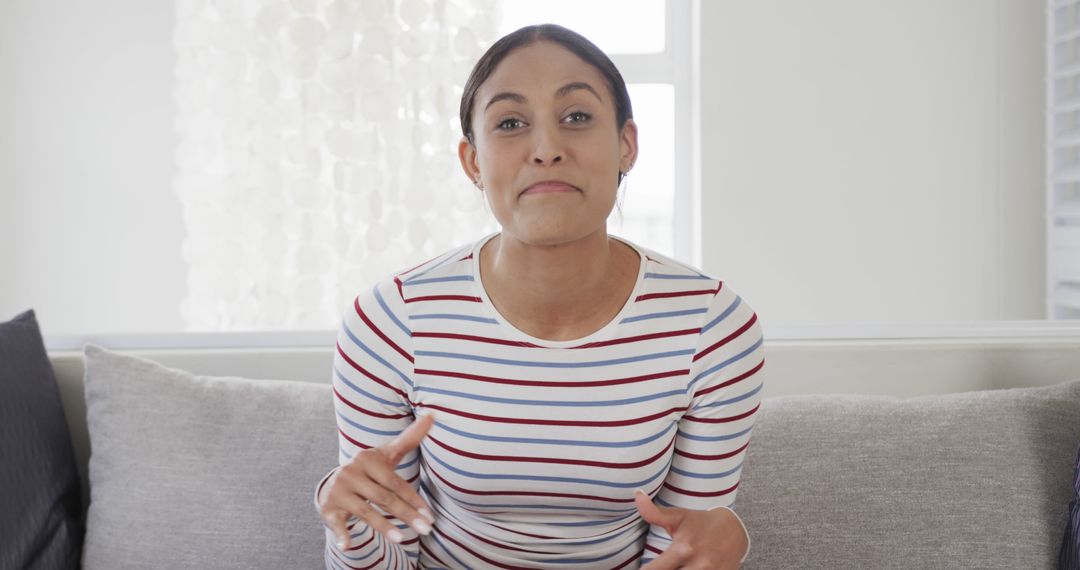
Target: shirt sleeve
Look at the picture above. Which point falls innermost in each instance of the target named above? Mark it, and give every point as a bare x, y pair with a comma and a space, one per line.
725, 383
372, 381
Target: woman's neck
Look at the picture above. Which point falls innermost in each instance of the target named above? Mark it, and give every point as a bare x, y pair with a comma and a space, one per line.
566, 290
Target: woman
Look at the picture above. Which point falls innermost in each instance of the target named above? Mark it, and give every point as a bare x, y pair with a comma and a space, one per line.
550, 396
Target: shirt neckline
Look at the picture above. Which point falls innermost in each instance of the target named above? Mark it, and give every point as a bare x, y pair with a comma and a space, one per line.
603, 333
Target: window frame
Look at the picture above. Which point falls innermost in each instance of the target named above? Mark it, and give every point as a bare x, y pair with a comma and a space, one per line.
676, 66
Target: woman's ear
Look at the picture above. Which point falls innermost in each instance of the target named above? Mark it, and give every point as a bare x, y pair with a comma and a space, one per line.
469, 162
628, 146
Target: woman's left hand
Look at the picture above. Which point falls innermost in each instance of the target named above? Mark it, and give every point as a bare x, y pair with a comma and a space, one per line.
699, 539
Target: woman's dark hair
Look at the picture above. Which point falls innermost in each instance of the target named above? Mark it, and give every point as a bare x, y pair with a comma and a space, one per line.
571, 40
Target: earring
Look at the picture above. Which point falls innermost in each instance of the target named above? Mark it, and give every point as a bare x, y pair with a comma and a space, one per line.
479, 184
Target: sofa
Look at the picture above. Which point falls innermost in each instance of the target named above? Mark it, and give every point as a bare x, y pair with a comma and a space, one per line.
208, 458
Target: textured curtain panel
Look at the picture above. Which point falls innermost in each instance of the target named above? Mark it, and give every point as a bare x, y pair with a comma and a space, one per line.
316, 150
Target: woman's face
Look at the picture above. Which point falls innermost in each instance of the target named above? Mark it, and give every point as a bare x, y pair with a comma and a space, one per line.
546, 148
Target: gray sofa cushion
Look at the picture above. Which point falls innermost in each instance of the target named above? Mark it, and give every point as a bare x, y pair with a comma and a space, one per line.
40, 499
203, 472
970, 480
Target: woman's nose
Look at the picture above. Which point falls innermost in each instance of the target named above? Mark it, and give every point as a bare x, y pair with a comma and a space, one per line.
548, 149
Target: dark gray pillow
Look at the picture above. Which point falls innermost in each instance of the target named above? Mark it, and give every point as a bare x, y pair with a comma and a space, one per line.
1069, 557
40, 517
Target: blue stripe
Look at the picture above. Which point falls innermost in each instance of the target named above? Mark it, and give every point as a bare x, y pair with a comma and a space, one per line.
544, 364
377, 358
447, 551
742, 354
588, 560
356, 538
453, 317
366, 393
389, 313
367, 429
494, 476
662, 315
653, 534
731, 401
706, 475
530, 440
559, 403
673, 276
727, 311
716, 437
626, 512
449, 257
399, 467
415, 281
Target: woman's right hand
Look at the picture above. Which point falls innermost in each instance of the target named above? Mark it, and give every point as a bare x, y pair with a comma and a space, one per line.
369, 479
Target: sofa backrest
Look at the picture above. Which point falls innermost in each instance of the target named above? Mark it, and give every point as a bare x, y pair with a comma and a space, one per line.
902, 369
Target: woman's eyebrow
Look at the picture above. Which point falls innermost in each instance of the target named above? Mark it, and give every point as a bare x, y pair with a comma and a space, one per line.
561, 92
505, 95
570, 87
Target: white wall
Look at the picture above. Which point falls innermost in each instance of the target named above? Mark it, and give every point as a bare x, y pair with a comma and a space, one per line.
875, 161
918, 122
90, 232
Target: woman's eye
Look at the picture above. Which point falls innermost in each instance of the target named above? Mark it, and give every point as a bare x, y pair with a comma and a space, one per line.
578, 117
509, 124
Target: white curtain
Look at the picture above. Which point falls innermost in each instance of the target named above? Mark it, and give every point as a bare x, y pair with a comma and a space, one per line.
316, 150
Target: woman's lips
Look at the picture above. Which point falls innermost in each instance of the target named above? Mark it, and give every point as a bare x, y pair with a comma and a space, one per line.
550, 186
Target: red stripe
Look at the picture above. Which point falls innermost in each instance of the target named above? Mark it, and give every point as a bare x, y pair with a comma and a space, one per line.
556, 460
723, 420
492, 542
728, 338
400, 290
375, 564
518, 532
411, 269
701, 494
397, 278
366, 542
481, 557
431, 553
475, 338
555, 384
444, 298
372, 565
528, 493
378, 332
366, 373
671, 294
353, 441
711, 457
632, 521
653, 549
639, 338
370, 413
742, 376
543, 422
634, 557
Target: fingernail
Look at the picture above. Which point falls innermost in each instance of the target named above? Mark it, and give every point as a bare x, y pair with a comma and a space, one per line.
395, 536
426, 514
343, 544
421, 526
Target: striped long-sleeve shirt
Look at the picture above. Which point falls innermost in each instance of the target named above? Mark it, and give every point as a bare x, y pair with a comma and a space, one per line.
539, 445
